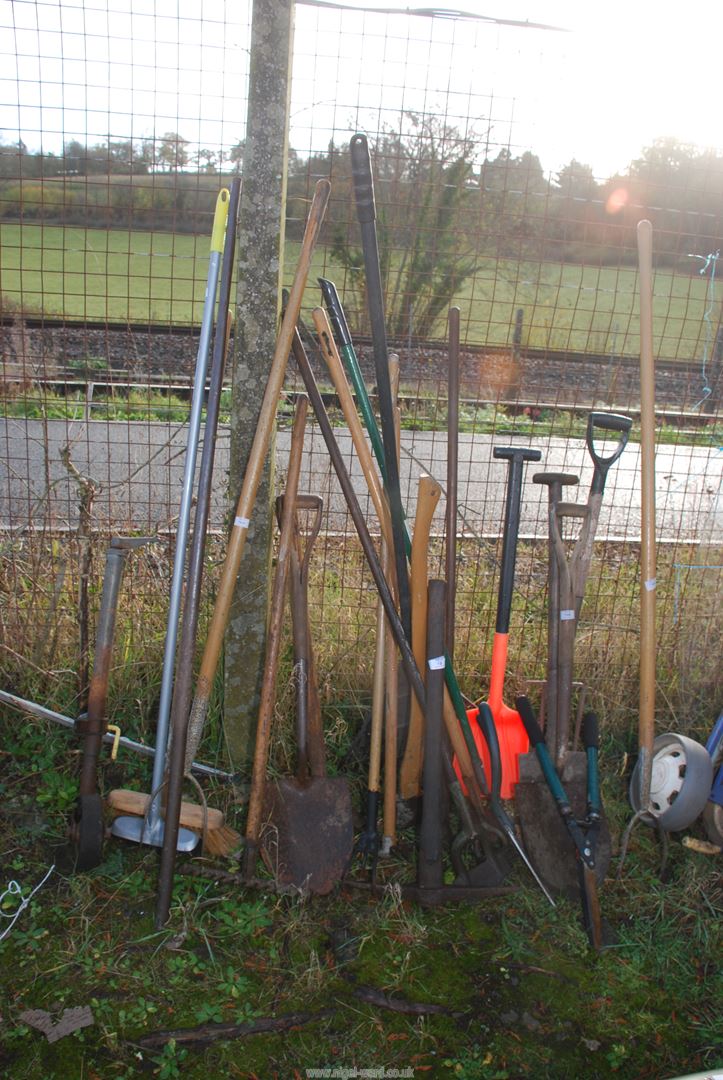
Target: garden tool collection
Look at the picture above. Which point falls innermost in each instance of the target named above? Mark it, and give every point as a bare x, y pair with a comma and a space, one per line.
567, 577
458, 765
195, 719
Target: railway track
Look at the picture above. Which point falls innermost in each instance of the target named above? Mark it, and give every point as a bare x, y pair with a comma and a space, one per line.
88, 360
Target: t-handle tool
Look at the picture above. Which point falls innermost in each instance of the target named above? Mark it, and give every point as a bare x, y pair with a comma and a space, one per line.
554, 482
511, 733
87, 830
584, 834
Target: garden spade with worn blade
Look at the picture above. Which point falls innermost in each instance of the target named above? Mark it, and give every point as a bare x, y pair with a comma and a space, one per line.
309, 831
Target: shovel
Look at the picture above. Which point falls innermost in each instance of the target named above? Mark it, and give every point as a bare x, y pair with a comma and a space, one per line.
309, 832
510, 732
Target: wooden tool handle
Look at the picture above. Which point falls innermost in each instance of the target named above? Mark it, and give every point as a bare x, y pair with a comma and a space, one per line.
646, 724
336, 371
273, 643
257, 455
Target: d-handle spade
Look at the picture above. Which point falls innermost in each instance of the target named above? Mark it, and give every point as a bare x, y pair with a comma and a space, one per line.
598, 422
554, 482
605, 422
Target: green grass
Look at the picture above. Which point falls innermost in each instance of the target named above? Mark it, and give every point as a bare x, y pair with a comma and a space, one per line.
522, 995
120, 276
425, 413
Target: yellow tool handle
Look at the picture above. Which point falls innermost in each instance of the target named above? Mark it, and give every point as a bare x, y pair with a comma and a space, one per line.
220, 217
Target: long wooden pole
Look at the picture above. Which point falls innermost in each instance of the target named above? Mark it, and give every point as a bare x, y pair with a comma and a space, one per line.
646, 723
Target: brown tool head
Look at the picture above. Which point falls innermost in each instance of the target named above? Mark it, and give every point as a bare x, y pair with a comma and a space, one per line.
544, 835
308, 835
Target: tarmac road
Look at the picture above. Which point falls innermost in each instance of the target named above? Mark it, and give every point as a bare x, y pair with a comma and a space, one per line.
138, 468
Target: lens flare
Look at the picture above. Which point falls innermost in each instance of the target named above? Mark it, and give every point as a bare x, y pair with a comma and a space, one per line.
617, 200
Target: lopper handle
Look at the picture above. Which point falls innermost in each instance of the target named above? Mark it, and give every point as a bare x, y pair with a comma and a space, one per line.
361, 167
527, 715
591, 742
337, 318
487, 726
590, 732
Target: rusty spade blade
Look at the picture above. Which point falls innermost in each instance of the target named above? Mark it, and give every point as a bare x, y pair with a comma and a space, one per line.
308, 837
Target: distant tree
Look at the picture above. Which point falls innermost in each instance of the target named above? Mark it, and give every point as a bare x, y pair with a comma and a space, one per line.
171, 152
11, 158
236, 153
576, 181
421, 178
125, 156
679, 186
513, 192
206, 160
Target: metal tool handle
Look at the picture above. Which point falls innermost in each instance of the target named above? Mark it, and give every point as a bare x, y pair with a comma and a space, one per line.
366, 213
554, 481
606, 422
516, 456
516, 453
430, 869
591, 742
361, 167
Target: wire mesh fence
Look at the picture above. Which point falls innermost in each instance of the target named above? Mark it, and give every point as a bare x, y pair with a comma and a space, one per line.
106, 204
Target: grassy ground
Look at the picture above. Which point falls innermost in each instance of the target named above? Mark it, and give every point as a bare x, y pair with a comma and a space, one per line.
503, 989
119, 276
419, 413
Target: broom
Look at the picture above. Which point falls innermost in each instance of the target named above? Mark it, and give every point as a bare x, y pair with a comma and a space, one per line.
219, 839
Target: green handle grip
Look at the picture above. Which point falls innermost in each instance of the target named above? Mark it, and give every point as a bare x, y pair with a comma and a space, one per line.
487, 724
527, 715
591, 742
337, 318
220, 217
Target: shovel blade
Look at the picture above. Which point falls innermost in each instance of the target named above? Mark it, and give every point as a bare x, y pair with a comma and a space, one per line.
546, 840
309, 834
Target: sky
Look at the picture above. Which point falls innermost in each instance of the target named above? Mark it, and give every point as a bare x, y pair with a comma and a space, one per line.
618, 76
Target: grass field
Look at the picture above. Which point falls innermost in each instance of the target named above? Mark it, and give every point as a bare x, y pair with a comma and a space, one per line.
124, 276
503, 989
